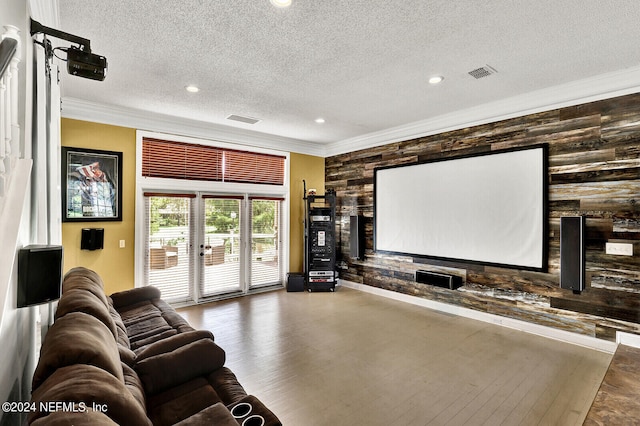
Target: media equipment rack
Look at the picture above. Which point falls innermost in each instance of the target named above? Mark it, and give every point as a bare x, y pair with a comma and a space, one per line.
320, 241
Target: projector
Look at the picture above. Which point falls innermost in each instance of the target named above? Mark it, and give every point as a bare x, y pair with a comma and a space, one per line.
86, 64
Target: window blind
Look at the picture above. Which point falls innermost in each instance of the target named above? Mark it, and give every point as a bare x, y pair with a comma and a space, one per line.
180, 160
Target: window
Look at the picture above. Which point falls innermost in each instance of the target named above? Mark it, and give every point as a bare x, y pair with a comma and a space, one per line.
211, 220
169, 227
265, 241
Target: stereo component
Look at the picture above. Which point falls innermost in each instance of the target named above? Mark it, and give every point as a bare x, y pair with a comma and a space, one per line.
451, 282
320, 241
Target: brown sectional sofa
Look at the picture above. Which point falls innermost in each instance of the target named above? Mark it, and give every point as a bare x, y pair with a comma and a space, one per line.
131, 359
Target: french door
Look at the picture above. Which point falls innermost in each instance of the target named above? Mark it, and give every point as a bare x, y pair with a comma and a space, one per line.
220, 249
265, 254
170, 231
200, 246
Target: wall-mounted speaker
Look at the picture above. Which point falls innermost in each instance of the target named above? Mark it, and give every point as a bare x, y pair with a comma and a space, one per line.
92, 239
356, 237
572, 253
39, 274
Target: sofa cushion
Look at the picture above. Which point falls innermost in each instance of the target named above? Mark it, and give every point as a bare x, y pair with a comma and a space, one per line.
127, 356
172, 343
133, 383
91, 386
172, 318
179, 403
216, 414
149, 326
121, 329
84, 418
140, 344
77, 338
84, 279
142, 311
81, 300
133, 296
226, 385
166, 370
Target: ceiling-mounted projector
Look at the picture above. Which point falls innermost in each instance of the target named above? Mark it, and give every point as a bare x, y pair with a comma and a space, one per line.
80, 61
85, 64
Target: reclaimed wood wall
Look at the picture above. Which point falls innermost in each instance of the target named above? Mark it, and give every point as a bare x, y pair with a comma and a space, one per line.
594, 170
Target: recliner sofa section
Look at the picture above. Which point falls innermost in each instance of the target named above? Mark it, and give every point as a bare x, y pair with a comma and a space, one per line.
131, 359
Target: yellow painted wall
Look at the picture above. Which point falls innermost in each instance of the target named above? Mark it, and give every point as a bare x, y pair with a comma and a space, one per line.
115, 265
310, 169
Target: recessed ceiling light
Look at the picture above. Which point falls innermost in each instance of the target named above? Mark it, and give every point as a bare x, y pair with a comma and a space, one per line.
320, 120
281, 3
193, 89
436, 79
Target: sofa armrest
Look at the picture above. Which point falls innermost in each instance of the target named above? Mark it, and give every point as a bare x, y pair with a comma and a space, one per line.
172, 343
166, 370
135, 295
216, 414
251, 407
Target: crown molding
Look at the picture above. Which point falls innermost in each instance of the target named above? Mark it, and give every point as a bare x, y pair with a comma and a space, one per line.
604, 86
154, 122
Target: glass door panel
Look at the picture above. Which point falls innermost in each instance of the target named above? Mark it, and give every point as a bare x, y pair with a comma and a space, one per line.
265, 242
168, 261
220, 260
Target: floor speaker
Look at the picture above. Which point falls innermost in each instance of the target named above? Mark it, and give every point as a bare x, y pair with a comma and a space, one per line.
356, 237
572, 253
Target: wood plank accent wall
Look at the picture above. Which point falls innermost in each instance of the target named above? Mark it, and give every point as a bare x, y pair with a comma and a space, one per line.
594, 170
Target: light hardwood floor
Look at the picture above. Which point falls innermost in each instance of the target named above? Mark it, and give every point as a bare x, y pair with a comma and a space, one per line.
353, 358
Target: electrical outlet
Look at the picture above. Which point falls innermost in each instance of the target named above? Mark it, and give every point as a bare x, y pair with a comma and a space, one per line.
619, 249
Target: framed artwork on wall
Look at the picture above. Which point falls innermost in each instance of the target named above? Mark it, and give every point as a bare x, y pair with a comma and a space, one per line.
91, 185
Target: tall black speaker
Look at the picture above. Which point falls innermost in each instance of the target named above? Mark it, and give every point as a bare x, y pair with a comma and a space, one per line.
572, 253
356, 237
39, 274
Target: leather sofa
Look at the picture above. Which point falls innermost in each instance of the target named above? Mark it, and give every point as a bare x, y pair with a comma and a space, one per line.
131, 359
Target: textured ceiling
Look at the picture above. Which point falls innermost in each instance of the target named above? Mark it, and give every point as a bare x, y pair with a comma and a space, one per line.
361, 65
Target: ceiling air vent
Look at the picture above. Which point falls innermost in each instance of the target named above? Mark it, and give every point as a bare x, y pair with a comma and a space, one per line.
242, 119
481, 72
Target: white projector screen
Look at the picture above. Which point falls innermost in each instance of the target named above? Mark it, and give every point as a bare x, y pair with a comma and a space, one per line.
488, 208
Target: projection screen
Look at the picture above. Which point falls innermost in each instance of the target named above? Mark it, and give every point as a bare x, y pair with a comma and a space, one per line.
488, 208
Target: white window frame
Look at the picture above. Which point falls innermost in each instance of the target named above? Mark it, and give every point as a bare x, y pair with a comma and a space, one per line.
146, 184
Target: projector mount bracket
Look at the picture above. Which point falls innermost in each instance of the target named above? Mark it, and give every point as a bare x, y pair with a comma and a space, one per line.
80, 61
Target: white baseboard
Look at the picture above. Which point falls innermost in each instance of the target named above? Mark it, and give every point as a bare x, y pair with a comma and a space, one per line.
540, 330
628, 339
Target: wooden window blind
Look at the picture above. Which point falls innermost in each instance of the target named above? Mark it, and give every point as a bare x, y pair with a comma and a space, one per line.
179, 160
251, 167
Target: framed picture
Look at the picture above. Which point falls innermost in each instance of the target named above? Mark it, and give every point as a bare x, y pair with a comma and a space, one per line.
91, 185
